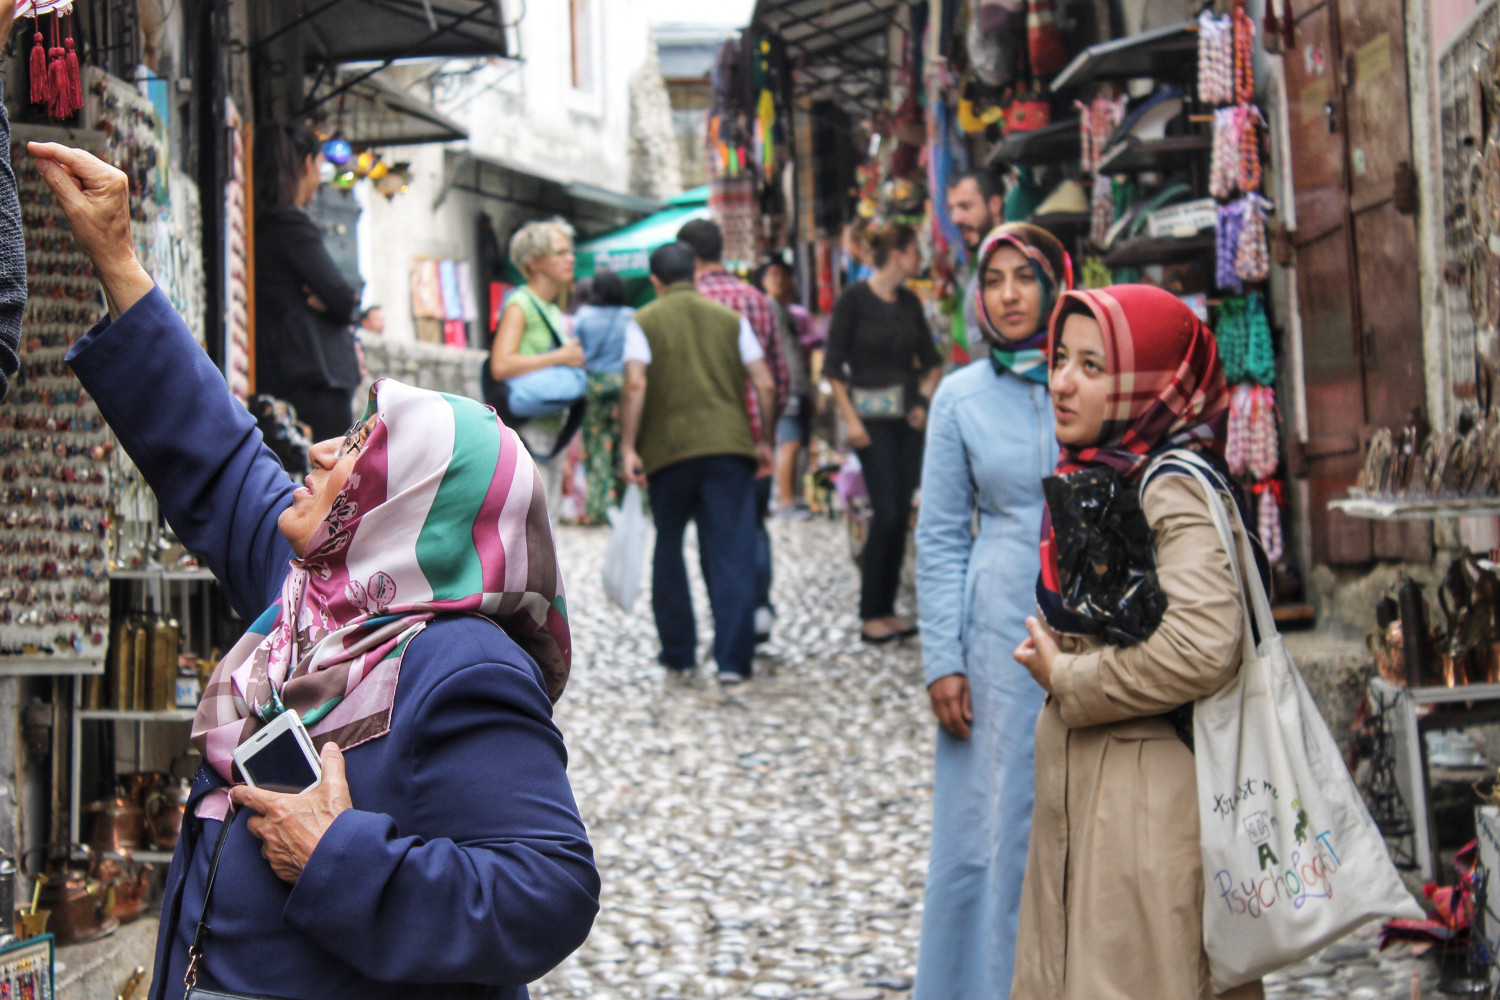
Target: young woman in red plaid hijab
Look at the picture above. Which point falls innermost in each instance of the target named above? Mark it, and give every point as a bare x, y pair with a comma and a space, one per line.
1112, 904
1149, 380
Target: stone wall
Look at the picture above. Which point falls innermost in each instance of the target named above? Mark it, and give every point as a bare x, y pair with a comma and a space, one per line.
430, 366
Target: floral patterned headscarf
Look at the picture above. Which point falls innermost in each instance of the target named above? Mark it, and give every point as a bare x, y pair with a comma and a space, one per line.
1025, 358
443, 513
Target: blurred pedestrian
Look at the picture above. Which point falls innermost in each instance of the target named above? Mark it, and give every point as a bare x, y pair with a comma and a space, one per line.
976, 206
718, 285
304, 305
883, 367
794, 429
1114, 892
687, 435
533, 334
600, 328
372, 320
990, 443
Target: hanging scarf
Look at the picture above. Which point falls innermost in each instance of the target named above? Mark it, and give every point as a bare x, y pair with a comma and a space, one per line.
443, 513
1025, 358
1168, 391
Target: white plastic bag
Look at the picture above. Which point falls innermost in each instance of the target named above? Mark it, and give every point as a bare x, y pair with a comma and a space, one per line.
1292, 860
625, 558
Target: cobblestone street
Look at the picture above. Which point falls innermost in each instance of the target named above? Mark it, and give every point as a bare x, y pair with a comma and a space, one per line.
770, 840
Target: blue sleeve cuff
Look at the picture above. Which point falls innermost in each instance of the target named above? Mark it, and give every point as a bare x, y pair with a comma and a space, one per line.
353, 851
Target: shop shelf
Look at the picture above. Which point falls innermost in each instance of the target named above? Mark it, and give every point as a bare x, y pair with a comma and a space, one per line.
1159, 154
196, 573
139, 715
1052, 144
1145, 250
1063, 224
50, 666
1168, 53
1416, 510
152, 857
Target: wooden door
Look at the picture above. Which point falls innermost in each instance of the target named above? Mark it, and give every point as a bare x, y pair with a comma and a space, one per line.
1356, 260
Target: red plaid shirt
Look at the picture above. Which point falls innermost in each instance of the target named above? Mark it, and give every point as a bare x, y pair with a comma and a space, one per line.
727, 290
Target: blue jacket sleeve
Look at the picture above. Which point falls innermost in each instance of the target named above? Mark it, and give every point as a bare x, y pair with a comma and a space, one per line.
945, 538
219, 486
12, 261
507, 894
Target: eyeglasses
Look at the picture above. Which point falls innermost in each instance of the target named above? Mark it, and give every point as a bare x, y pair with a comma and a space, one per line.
354, 440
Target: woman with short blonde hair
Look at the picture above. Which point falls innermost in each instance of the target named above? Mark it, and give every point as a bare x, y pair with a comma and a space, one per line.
536, 240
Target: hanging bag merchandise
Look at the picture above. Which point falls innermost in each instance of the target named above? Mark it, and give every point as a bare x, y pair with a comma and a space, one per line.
1292, 860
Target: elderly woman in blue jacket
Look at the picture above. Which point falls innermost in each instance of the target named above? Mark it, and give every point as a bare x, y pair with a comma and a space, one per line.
407, 605
990, 443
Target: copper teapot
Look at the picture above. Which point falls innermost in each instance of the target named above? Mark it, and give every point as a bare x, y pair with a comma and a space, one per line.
129, 882
82, 908
115, 824
164, 811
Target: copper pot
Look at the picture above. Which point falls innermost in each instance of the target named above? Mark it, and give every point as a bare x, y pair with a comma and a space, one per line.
128, 881
1390, 658
164, 811
115, 824
82, 908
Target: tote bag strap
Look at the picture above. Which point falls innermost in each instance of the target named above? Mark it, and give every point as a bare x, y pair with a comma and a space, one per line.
1253, 601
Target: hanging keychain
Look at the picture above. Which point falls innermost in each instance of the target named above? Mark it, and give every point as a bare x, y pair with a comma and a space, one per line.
1261, 456
1237, 446
1229, 331
1244, 54
1269, 519
1226, 275
1252, 258
1215, 58
1259, 359
1247, 118
1225, 166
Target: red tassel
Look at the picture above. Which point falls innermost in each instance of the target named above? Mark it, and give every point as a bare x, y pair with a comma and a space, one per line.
38, 66
57, 79
75, 83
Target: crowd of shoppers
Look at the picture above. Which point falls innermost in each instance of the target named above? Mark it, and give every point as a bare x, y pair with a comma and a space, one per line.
415, 868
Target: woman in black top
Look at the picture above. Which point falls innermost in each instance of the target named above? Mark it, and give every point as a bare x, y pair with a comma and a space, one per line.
304, 306
883, 367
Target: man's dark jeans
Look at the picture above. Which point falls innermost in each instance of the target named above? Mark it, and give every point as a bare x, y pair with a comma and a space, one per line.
718, 493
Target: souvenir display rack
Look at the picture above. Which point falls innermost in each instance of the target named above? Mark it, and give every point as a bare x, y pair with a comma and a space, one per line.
1469, 122
55, 450
27, 969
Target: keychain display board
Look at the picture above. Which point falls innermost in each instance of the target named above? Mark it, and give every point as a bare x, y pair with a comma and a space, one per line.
165, 219
1469, 91
236, 258
55, 450
27, 969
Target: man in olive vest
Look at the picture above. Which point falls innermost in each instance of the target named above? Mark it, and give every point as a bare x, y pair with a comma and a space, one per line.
687, 434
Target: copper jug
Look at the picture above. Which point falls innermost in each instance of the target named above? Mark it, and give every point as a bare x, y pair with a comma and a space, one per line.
82, 908
164, 811
115, 824
129, 882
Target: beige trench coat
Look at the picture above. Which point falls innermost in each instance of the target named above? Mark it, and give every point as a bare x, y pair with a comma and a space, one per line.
1112, 906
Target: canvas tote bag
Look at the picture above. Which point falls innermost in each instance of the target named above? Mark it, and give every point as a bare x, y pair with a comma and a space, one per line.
1292, 860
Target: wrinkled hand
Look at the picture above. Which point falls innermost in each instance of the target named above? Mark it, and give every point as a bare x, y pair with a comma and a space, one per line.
313, 302
1037, 652
632, 468
290, 826
570, 354
858, 436
94, 197
951, 704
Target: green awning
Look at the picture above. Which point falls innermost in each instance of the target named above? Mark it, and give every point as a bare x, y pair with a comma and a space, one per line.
627, 251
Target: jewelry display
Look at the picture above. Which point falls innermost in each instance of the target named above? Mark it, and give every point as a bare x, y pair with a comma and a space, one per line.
1215, 58
56, 454
1456, 463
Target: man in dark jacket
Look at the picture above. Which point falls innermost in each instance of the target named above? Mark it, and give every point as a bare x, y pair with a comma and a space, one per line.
689, 436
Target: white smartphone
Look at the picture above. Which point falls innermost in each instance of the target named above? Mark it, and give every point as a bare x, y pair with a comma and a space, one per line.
280, 757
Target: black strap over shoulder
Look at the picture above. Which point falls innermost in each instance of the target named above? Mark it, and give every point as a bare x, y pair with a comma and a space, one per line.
200, 936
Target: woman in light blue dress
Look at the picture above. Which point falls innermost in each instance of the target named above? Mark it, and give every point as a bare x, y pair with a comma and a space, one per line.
990, 442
